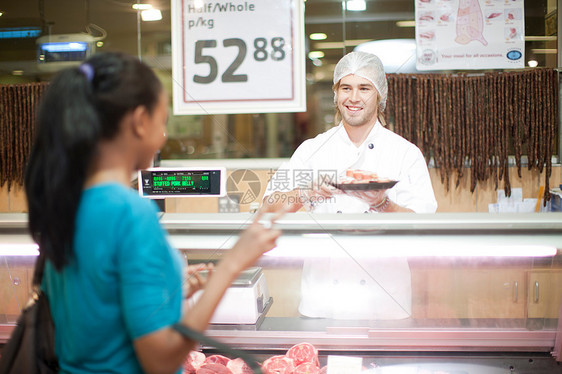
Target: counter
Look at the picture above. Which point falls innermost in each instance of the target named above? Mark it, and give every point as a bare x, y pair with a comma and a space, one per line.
481, 283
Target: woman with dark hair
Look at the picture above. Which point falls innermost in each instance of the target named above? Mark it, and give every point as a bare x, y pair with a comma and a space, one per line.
114, 283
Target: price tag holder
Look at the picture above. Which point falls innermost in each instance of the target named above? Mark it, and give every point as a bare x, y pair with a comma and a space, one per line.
344, 365
238, 56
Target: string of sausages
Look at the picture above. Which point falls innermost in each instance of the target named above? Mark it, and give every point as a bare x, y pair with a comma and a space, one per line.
17, 115
459, 120
478, 120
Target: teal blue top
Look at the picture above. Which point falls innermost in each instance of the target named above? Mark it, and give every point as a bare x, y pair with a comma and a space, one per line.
123, 282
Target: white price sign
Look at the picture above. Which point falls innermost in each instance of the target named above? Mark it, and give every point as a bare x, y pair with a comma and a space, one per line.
238, 56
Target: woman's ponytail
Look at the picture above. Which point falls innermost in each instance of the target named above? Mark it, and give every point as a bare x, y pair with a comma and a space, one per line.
68, 130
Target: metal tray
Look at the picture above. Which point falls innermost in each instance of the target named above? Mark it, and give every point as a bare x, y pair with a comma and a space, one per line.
370, 186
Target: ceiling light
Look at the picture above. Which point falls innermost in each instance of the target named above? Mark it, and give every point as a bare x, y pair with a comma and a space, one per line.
1, 13
19, 32
354, 5
315, 54
151, 15
318, 36
540, 38
533, 63
340, 45
544, 51
99, 44
17, 72
77, 46
65, 47
139, 6
406, 23
198, 4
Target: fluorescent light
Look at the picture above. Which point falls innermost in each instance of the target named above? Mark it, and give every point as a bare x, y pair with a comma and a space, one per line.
340, 45
19, 249
330, 45
198, 4
65, 47
406, 23
544, 51
540, 38
354, 5
75, 46
533, 63
509, 251
315, 54
310, 245
356, 247
17, 72
318, 36
19, 32
151, 15
139, 6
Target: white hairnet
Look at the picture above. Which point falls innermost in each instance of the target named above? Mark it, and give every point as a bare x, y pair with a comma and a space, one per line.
364, 65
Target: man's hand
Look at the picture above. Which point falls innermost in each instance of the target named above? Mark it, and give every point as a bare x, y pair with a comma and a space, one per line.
378, 201
371, 197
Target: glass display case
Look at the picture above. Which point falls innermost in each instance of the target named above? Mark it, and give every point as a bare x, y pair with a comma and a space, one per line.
463, 293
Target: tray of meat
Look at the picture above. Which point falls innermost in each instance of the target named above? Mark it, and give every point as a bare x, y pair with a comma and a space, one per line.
365, 186
362, 180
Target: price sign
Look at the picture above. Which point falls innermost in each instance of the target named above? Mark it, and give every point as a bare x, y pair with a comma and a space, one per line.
238, 56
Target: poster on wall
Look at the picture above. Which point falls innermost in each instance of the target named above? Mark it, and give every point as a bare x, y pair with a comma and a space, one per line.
238, 56
470, 34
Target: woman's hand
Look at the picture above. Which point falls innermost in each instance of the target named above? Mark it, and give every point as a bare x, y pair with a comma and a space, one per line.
195, 281
254, 241
319, 193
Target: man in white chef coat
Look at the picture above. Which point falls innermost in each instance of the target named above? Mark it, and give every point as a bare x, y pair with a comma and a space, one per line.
353, 288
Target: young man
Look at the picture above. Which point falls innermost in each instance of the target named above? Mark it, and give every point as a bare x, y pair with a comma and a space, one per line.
355, 288
359, 142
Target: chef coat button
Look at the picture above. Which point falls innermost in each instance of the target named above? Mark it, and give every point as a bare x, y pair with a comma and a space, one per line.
366, 211
371, 146
339, 211
362, 282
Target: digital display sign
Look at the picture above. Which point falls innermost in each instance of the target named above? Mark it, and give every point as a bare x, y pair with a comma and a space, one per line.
160, 183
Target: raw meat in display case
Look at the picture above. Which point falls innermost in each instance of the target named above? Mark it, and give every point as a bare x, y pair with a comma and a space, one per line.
303, 353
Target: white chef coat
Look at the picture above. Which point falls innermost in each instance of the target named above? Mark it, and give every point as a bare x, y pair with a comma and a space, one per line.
383, 152
358, 288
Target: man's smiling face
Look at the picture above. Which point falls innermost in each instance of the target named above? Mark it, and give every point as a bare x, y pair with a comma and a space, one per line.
357, 101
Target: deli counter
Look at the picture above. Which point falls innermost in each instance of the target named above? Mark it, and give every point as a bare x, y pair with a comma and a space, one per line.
448, 292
